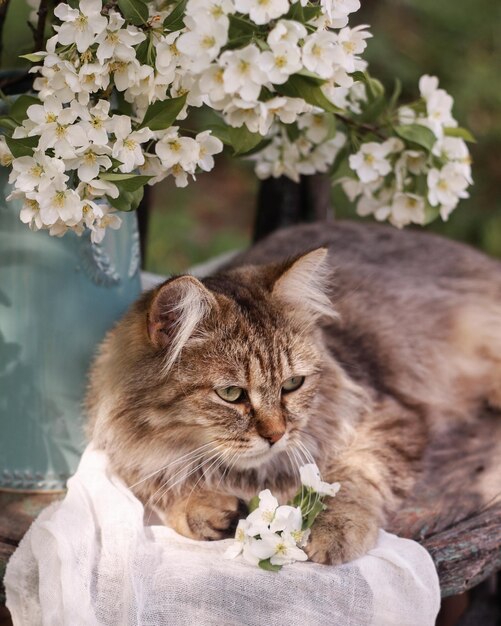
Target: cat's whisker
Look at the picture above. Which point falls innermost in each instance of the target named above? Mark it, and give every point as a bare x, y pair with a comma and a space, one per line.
165, 487
294, 468
234, 453
220, 459
306, 451
180, 471
184, 457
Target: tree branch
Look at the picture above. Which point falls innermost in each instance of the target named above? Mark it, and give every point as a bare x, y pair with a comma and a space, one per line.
4, 7
39, 33
375, 130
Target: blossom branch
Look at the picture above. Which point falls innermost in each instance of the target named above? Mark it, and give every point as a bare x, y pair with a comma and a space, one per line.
368, 128
39, 32
4, 7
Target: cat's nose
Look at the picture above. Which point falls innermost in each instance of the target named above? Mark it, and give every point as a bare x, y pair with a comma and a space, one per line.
271, 427
274, 437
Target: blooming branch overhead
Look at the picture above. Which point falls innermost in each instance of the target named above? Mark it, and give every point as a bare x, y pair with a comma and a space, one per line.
283, 82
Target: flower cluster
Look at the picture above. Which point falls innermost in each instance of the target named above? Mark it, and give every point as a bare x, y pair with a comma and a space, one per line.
273, 535
285, 81
424, 171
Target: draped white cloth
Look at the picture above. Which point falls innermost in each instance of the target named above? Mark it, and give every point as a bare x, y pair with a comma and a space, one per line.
90, 560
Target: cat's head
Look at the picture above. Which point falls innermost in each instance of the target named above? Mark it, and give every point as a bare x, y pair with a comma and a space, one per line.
232, 363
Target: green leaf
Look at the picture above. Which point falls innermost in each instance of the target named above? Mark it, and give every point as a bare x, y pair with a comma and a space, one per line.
431, 213
175, 20
8, 123
316, 509
142, 51
162, 114
127, 200
253, 504
134, 11
20, 106
34, 58
240, 27
372, 111
23, 146
314, 78
462, 133
292, 131
311, 12
397, 90
127, 182
267, 565
418, 134
341, 166
303, 14
299, 86
375, 88
240, 139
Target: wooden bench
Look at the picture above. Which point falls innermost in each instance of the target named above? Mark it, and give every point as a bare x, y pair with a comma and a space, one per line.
455, 509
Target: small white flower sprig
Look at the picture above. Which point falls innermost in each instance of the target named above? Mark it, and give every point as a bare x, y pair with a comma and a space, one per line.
272, 536
284, 80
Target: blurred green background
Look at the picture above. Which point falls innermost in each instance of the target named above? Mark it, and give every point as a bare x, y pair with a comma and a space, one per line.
457, 40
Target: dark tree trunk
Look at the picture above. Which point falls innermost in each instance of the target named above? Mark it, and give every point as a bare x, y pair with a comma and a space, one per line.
282, 202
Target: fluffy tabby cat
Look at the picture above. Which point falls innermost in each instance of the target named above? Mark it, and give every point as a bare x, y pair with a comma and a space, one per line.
351, 354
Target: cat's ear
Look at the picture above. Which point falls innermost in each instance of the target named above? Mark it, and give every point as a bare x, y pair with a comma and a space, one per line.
304, 284
177, 308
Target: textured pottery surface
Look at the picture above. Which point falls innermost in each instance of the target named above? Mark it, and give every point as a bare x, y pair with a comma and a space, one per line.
58, 297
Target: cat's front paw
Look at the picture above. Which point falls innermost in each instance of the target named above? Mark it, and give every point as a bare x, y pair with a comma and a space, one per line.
341, 535
206, 516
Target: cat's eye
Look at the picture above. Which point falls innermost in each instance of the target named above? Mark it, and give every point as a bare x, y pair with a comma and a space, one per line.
230, 394
291, 384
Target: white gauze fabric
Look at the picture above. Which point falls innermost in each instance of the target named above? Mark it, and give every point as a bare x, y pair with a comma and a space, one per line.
90, 559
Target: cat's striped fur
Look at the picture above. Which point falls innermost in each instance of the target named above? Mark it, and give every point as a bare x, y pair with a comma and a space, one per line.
396, 333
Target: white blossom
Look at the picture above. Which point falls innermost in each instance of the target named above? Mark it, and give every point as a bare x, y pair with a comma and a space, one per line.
316, 125
287, 109
280, 549
215, 10
174, 150
82, 25
63, 203
167, 56
254, 114
127, 147
37, 172
94, 122
208, 146
89, 160
202, 42
260, 519
438, 105
242, 73
338, 11
446, 187
212, 84
371, 161
117, 42
278, 64
109, 220
5, 154
310, 477
318, 52
407, 208
262, 11
286, 31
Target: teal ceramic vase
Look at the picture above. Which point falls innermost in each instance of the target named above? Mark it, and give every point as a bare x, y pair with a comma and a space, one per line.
58, 297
